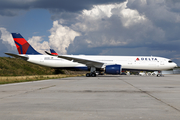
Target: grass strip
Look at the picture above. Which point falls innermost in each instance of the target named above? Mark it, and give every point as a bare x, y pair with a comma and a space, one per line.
17, 79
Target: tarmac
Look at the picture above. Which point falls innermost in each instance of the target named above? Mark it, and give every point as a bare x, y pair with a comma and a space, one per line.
106, 97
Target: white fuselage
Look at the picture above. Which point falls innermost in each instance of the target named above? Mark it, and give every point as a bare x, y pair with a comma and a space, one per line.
126, 62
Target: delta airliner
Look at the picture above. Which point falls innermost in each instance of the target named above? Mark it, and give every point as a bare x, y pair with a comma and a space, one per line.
93, 63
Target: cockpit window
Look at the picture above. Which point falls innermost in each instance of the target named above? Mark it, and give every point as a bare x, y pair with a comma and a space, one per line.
170, 61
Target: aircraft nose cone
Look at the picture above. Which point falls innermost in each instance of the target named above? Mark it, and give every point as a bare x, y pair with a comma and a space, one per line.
175, 65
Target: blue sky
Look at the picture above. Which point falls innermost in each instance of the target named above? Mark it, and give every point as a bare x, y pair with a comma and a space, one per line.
109, 27
29, 23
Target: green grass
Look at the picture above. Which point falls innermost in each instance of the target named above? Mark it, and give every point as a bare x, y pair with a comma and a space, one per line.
18, 67
13, 70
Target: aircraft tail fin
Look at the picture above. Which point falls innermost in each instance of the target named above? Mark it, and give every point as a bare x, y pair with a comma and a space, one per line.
53, 52
23, 46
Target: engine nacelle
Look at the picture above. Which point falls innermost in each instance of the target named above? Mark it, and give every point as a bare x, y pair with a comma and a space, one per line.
113, 69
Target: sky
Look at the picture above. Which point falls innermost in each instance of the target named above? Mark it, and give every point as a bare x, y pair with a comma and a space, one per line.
94, 27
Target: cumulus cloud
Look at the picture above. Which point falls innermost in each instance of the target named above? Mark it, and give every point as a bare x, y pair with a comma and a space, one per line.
6, 36
38, 45
61, 37
163, 14
113, 26
6, 41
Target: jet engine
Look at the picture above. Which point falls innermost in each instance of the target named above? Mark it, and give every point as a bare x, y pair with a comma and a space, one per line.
113, 69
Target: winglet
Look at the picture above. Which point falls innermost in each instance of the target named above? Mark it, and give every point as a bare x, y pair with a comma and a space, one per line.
53, 52
50, 53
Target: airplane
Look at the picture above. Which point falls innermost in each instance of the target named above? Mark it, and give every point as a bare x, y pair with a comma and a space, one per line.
93, 63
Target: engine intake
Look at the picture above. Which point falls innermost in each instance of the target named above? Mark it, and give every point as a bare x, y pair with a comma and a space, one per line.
113, 69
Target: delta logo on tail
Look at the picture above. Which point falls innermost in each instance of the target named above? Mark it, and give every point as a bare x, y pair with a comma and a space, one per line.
147, 59
53, 52
22, 45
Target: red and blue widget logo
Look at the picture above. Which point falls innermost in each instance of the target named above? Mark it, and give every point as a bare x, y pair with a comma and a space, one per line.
22, 45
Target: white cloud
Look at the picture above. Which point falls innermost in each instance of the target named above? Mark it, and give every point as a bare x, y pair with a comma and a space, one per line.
100, 11
104, 26
6, 36
35, 42
61, 37
7, 40
113, 25
157, 10
130, 17
90, 20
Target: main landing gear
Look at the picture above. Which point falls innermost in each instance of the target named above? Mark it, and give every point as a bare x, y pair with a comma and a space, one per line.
92, 73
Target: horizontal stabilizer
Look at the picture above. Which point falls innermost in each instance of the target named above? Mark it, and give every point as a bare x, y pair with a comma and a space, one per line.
18, 56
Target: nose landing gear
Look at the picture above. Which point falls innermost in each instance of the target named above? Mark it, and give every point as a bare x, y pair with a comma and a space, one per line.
160, 74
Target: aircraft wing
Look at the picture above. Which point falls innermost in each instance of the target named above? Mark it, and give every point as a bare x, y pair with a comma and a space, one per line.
18, 56
89, 63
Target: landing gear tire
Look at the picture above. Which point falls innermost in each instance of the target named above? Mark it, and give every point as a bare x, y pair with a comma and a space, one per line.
160, 75
93, 74
88, 75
